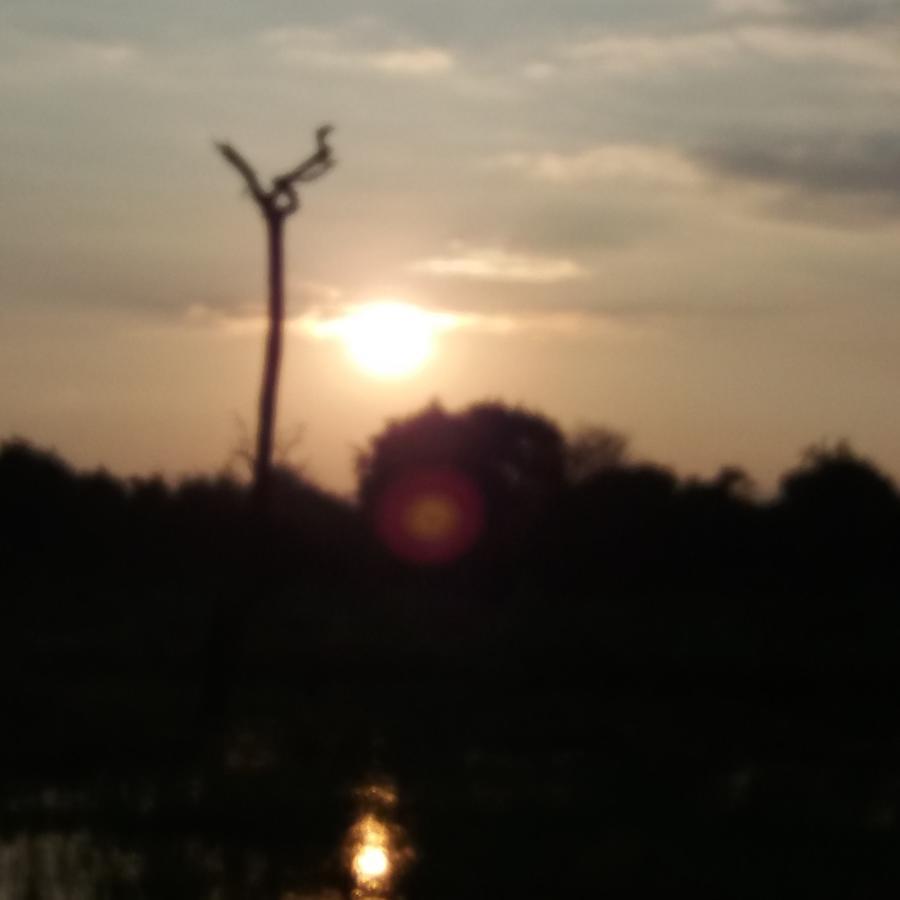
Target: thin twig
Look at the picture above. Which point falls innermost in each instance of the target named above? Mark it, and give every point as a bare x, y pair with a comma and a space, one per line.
246, 171
312, 167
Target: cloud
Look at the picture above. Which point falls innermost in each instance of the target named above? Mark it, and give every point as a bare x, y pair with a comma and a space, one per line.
418, 61
314, 291
633, 54
844, 181
626, 54
344, 50
636, 163
794, 44
489, 264
843, 13
527, 323
337, 323
233, 322
838, 211
342, 322
539, 71
776, 8
29, 58
813, 13
237, 317
820, 164
111, 54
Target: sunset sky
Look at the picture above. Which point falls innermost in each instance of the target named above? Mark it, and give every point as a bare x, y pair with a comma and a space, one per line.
676, 218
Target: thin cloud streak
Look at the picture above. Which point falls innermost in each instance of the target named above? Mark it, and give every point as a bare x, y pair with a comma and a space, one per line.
417, 61
37, 59
813, 13
563, 324
333, 50
767, 8
637, 54
329, 322
636, 163
489, 264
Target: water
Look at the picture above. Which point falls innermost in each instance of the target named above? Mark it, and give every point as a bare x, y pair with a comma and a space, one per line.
521, 825
378, 851
140, 854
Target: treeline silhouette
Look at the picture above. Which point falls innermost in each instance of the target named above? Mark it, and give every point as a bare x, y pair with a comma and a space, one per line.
581, 543
633, 680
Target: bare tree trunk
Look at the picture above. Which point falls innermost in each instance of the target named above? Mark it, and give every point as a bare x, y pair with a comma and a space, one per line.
271, 364
251, 576
275, 204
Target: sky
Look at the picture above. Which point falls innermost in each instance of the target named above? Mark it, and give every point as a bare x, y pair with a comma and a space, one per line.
679, 219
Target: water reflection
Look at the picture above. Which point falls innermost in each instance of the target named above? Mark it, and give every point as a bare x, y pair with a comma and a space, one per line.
74, 866
371, 865
86, 851
377, 849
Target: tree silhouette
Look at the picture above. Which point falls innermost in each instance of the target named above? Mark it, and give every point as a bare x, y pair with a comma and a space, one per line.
840, 522
514, 457
276, 204
593, 448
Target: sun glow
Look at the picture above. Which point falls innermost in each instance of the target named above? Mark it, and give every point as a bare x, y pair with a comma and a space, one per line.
389, 338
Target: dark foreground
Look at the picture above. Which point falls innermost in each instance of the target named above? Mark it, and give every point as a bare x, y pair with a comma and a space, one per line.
543, 776
631, 686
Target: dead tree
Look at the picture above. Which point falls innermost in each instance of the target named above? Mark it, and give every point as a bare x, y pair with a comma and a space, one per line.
276, 204
251, 579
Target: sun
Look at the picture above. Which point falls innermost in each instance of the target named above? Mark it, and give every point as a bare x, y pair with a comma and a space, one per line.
389, 338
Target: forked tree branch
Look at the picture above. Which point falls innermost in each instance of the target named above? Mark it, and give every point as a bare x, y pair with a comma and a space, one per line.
313, 166
282, 199
275, 203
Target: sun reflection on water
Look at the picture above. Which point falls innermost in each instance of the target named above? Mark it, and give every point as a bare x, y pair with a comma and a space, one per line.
376, 850
371, 864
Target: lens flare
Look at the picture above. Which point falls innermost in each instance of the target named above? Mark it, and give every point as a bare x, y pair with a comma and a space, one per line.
430, 516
